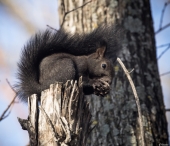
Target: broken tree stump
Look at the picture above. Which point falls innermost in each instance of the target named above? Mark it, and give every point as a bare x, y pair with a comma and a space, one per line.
61, 118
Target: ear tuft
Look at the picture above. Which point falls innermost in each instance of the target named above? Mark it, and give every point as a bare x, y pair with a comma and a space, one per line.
101, 52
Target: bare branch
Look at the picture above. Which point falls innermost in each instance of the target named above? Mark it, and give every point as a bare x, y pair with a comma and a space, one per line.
161, 46
163, 74
163, 10
167, 110
163, 52
136, 99
5, 114
51, 28
162, 28
131, 71
10, 86
161, 20
65, 13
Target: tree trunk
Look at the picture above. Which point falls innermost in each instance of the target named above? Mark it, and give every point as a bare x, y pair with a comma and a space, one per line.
62, 117
116, 116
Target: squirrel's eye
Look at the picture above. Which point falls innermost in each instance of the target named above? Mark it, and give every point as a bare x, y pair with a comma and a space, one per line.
103, 65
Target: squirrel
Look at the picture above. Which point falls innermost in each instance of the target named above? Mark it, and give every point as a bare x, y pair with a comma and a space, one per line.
59, 56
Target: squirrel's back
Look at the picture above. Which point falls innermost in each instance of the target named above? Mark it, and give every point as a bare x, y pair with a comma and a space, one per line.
50, 42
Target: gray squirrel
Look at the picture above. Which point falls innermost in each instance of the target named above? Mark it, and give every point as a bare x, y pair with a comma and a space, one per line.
58, 56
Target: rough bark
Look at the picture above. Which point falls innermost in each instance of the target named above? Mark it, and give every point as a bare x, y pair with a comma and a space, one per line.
62, 118
115, 116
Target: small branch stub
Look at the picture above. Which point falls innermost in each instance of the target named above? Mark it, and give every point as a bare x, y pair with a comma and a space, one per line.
63, 117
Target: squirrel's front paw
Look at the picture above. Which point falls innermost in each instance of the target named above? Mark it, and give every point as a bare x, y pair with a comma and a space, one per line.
101, 87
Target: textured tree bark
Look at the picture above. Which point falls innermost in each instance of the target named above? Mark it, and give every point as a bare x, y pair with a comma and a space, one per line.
116, 116
62, 118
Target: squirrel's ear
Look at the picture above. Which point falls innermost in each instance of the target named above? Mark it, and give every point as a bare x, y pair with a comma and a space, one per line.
101, 52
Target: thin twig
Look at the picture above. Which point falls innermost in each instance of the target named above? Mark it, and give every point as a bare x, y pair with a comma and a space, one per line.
163, 10
167, 110
163, 52
51, 28
161, 20
163, 45
136, 99
65, 13
163, 74
131, 71
10, 85
4, 115
162, 28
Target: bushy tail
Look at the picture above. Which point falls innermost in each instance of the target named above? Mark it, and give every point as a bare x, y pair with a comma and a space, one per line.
48, 42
